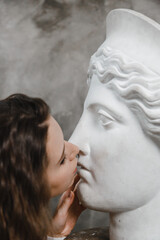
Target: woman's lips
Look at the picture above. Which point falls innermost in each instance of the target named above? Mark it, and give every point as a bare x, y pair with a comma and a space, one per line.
75, 171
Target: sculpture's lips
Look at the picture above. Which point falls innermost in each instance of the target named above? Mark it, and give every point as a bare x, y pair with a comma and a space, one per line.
83, 171
82, 166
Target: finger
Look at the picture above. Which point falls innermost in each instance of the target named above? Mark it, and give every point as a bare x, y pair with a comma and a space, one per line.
66, 203
77, 204
76, 209
63, 197
76, 180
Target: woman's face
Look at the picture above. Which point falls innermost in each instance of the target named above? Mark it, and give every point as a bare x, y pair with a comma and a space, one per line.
62, 159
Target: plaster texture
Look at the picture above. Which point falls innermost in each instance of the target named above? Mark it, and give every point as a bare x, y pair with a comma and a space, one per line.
45, 48
118, 133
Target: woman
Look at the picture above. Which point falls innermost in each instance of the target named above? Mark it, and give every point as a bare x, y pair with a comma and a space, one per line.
35, 165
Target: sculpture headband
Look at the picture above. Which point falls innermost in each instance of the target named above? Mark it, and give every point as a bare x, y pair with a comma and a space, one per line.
130, 32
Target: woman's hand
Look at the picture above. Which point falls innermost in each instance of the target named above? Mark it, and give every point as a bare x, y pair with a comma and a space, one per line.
67, 212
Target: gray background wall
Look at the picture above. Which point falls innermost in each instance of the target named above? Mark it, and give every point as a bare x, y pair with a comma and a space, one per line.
45, 47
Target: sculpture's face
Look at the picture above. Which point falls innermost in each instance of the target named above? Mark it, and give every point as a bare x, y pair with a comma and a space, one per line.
120, 165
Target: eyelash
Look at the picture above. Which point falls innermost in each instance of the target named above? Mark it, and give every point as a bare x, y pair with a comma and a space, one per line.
62, 162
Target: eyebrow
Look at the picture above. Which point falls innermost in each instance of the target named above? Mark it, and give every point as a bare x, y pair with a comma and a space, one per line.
62, 156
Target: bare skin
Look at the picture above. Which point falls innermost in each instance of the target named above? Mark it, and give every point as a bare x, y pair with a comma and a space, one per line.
62, 178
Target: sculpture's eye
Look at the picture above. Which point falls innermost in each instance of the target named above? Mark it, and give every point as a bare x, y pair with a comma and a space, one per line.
104, 118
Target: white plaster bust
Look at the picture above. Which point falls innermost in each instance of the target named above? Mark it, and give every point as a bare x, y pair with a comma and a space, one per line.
119, 131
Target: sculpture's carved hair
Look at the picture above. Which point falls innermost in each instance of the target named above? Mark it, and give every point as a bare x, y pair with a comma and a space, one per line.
135, 83
24, 193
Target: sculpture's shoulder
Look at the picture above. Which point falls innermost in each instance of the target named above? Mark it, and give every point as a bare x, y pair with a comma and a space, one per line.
90, 234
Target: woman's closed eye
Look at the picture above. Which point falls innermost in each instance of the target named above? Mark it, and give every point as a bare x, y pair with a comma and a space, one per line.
63, 161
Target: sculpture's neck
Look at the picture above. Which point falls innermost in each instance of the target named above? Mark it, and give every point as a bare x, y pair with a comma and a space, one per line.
140, 224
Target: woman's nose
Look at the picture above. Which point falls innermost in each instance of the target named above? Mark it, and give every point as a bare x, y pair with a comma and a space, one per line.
73, 149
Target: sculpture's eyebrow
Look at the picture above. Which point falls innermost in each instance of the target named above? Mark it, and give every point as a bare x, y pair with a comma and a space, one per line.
96, 106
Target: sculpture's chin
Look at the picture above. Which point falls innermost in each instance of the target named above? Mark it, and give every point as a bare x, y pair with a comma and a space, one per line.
84, 195
92, 200
87, 197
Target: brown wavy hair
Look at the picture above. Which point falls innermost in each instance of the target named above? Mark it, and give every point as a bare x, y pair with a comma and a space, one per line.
23, 189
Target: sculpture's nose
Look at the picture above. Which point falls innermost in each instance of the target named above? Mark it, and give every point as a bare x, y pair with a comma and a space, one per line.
80, 137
